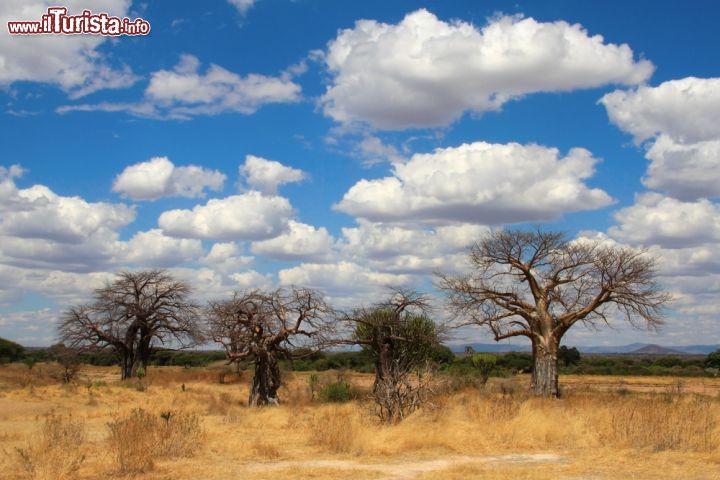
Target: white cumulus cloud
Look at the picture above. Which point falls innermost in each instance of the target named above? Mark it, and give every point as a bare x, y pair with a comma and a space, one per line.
655, 219
401, 249
479, 183
300, 242
681, 118
424, 72
267, 175
249, 216
159, 177
347, 283
154, 249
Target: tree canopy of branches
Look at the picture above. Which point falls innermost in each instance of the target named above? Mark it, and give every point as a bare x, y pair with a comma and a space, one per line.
402, 339
132, 312
263, 327
538, 285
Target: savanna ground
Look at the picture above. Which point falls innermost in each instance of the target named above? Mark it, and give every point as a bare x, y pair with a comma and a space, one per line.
193, 427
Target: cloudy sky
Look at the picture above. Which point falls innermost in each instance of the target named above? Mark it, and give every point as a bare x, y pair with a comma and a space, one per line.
351, 146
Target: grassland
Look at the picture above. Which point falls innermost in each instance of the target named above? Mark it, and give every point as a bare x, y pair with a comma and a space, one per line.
642, 428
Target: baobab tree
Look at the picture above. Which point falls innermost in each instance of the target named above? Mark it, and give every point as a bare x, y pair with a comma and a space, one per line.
538, 285
401, 338
264, 327
130, 314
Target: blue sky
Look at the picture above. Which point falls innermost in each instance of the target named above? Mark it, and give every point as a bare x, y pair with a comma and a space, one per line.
349, 146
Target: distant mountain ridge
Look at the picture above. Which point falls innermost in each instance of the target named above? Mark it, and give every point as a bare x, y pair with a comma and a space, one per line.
630, 349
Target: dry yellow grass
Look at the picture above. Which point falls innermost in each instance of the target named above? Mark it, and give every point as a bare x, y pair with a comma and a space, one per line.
494, 434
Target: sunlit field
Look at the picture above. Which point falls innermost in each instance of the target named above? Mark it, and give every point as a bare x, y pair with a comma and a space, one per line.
191, 426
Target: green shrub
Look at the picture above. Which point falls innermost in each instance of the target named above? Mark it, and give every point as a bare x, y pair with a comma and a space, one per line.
336, 392
713, 360
484, 363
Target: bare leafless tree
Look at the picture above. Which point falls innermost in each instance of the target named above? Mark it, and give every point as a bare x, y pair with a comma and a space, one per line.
401, 337
538, 284
132, 312
264, 327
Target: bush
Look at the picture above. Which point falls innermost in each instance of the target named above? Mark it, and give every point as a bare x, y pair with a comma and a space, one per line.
336, 392
713, 360
55, 453
442, 355
568, 356
484, 363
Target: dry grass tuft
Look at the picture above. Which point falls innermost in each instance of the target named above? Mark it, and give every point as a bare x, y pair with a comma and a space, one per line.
335, 428
141, 437
266, 450
664, 423
55, 453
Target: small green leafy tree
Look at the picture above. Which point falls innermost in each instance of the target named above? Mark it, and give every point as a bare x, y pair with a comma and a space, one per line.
484, 363
568, 356
401, 338
713, 360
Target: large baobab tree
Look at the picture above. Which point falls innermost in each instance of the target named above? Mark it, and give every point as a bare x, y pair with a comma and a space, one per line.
539, 284
264, 327
401, 337
132, 312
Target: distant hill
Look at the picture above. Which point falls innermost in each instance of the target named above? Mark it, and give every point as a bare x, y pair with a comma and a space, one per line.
656, 350
629, 349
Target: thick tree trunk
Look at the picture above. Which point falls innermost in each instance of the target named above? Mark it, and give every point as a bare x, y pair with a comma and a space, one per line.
266, 381
126, 366
545, 368
142, 355
383, 364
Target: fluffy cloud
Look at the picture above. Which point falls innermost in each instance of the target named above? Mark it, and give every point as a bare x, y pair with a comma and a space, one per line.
479, 183
393, 248
250, 280
267, 175
655, 219
685, 171
71, 62
209, 284
37, 212
39, 228
187, 92
159, 177
682, 120
346, 282
424, 72
184, 92
154, 249
300, 242
61, 286
226, 257
685, 109
250, 216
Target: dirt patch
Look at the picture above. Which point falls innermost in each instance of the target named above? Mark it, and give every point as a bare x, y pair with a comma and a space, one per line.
401, 470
